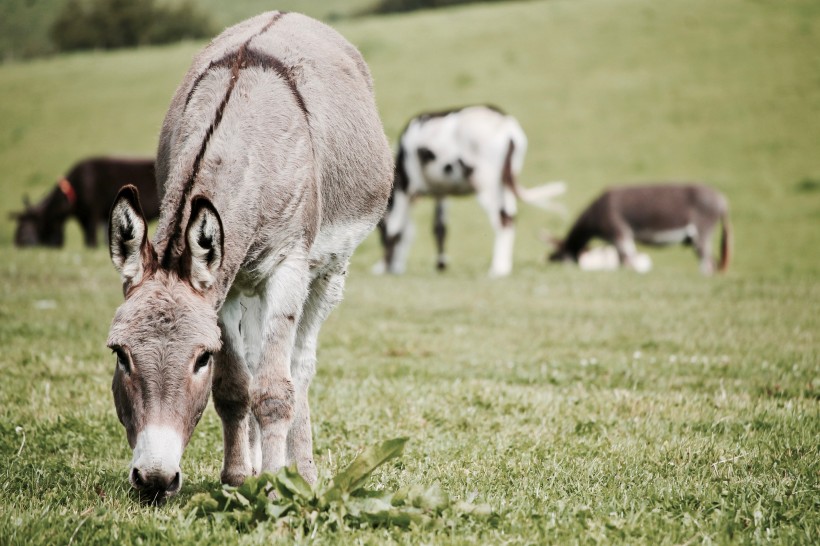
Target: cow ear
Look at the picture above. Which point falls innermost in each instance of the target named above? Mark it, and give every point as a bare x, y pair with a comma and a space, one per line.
205, 241
131, 252
26, 202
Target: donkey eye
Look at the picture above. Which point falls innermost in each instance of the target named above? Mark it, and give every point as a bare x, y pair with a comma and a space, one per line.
203, 360
122, 360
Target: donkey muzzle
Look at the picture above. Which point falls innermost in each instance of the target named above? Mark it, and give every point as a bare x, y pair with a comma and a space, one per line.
155, 471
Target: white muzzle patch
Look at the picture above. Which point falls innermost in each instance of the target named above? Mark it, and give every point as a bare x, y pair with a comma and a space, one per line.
158, 451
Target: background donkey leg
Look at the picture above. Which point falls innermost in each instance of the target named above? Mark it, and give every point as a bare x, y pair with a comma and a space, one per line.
703, 248
231, 384
325, 293
272, 392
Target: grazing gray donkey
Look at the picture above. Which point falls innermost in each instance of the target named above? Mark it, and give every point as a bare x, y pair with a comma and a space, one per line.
272, 167
661, 214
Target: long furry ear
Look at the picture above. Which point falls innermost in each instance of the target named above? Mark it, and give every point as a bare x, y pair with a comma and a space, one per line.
205, 243
131, 252
549, 239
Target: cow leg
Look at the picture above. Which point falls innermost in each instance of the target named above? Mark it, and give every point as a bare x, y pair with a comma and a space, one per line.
397, 235
440, 231
500, 206
231, 393
90, 228
272, 393
325, 293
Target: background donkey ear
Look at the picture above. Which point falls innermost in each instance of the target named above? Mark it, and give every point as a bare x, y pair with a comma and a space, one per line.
205, 241
131, 252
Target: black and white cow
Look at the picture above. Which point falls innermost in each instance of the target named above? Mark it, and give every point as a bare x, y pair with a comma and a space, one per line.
661, 214
473, 150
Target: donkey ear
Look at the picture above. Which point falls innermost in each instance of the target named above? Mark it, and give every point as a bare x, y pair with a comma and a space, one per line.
549, 239
205, 241
26, 202
128, 245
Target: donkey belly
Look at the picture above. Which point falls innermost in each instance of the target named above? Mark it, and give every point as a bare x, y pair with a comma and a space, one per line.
682, 235
335, 244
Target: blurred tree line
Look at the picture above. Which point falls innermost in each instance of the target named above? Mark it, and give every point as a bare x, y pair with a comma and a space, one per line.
111, 24
395, 6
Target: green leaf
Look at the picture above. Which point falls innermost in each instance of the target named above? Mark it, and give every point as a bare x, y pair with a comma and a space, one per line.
368, 505
354, 476
202, 503
249, 487
291, 484
433, 499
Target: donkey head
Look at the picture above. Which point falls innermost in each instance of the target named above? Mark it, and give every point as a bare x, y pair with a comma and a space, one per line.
560, 252
163, 335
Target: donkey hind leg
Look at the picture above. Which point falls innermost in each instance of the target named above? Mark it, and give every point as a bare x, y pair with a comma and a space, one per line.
231, 393
440, 231
500, 207
272, 390
703, 248
325, 293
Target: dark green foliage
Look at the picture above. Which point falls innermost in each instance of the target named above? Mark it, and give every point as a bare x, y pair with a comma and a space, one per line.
398, 6
112, 24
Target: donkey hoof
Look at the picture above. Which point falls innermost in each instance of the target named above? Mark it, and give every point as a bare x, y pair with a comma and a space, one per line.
233, 477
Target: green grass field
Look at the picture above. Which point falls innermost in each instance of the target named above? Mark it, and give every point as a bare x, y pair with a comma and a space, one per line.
665, 408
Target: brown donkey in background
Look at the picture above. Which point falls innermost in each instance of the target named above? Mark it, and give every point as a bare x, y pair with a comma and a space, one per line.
272, 167
658, 215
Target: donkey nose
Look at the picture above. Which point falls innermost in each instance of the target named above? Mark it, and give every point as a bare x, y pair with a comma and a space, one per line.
156, 483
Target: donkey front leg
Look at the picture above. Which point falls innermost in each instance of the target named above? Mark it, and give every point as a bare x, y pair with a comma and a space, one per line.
273, 399
231, 393
325, 293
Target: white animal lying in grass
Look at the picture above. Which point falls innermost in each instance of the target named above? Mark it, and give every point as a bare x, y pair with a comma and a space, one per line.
605, 258
477, 149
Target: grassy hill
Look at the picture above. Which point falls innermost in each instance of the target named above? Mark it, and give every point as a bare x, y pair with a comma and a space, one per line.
657, 409
25, 24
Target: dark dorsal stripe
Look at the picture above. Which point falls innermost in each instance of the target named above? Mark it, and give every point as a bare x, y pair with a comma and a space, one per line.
224, 61
244, 57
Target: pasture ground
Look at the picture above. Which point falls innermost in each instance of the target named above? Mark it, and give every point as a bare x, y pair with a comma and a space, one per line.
611, 407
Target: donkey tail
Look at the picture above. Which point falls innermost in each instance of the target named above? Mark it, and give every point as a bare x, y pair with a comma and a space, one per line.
725, 243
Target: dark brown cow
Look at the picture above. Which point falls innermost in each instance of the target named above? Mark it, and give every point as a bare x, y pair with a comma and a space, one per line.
662, 214
86, 193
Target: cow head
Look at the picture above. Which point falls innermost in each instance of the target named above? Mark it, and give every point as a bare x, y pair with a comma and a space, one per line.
38, 226
443, 165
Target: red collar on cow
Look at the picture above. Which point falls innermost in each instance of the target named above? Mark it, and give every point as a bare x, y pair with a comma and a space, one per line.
68, 190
